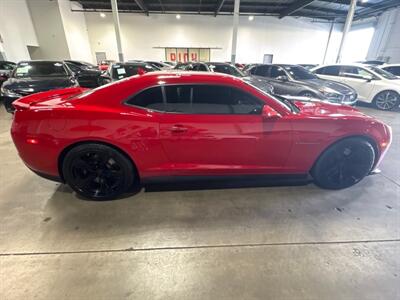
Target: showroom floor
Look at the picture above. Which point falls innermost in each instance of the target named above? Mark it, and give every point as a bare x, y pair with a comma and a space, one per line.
293, 242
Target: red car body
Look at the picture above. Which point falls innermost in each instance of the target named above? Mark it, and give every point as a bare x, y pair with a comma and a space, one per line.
46, 125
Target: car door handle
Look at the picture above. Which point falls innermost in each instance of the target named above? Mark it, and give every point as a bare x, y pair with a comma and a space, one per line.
178, 128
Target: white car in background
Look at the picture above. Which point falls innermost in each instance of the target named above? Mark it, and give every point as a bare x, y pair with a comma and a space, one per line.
373, 85
391, 68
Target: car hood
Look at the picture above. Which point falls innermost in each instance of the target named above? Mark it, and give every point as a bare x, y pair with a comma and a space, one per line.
319, 83
37, 84
318, 108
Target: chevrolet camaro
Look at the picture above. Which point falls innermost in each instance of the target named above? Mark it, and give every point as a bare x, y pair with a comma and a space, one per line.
161, 125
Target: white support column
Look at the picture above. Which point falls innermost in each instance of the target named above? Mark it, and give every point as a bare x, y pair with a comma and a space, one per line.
329, 40
117, 27
235, 30
346, 28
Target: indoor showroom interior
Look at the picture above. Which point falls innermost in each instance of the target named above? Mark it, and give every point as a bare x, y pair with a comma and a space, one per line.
200, 149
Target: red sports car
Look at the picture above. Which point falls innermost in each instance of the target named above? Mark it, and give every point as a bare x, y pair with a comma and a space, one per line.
177, 124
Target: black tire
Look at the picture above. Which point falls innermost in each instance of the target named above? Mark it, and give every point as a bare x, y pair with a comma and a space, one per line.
307, 94
98, 172
344, 164
387, 100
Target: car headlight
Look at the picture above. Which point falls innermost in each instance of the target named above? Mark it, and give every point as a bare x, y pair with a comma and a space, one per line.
9, 93
331, 94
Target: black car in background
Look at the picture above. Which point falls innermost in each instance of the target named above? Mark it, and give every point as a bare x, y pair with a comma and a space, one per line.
118, 71
295, 80
30, 77
88, 75
6, 68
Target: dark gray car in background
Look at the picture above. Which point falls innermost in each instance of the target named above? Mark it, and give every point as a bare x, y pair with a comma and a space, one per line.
226, 68
295, 80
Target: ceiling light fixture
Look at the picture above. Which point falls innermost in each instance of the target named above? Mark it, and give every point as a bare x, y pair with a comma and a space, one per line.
178, 16
103, 15
251, 18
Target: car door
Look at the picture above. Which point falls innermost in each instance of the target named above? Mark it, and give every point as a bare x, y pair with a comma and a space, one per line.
215, 129
356, 77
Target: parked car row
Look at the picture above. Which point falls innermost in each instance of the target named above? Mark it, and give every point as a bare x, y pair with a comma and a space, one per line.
344, 84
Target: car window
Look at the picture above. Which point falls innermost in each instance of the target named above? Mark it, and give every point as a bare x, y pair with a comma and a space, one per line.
119, 71
210, 99
6, 66
40, 69
355, 70
330, 70
262, 71
277, 71
299, 73
201, 67
382, 73
72, 67
395, 70
151, 98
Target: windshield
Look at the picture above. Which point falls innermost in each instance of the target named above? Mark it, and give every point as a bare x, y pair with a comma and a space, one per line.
122, 71
299, 73
226, 69
383, 73
40, 69
6, 65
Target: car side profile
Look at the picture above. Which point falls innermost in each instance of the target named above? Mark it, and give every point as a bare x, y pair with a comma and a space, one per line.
190, 124
295, 80
373, 84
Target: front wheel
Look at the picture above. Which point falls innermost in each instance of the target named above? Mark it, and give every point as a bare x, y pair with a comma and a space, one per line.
387, 100
98, 172
344, 164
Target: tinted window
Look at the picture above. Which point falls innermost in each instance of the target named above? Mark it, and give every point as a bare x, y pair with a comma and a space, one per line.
277, 71
40, 69
201, 67
73, 68
393, 70
356, 71
178, 98
331, 70
6, 65
210, 99
261, 71
151, 98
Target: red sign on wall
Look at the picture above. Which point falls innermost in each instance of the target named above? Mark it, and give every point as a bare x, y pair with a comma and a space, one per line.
187, 54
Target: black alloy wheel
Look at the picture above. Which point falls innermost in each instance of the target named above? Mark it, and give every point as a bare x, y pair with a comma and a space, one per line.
98, 172
344, 164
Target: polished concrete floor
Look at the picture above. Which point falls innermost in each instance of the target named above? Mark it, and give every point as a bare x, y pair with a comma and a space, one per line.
288, 242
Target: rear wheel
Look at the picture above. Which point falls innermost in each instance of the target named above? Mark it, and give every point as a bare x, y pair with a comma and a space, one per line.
98, 172
344, 164
387, 100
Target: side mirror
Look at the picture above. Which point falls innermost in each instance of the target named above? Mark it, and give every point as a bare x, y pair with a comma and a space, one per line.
270, 113
282, 78
368, 78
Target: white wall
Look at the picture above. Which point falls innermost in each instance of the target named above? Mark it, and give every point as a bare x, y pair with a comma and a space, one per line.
16, 29
49, 30
290, 40
386, 40
75, 31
